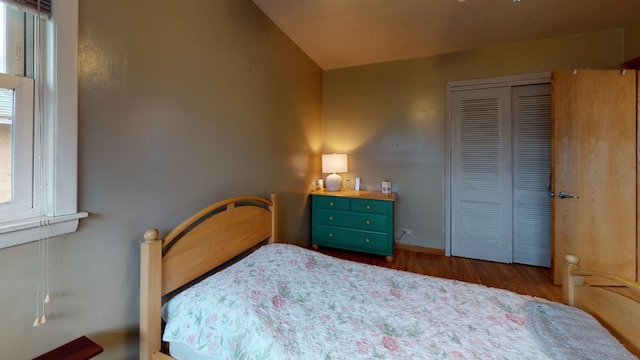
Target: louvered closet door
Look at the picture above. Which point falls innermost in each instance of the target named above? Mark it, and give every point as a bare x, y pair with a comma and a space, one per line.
500, 173
531, 174
481, 189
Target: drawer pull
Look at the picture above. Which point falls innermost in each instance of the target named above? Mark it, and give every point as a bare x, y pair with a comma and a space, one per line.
331, 218
367, 222
330, 235
368, 207
367, 240
331, 203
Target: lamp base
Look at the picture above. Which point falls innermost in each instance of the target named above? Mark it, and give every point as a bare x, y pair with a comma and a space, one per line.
334, 182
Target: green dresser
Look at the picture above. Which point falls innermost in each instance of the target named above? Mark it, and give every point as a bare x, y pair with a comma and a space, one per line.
353, 220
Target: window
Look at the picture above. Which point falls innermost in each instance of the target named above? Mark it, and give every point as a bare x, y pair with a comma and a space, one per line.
6, 148
13, 188
38, 113
16, 119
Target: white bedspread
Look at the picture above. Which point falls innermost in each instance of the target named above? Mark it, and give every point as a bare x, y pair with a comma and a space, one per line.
286, 302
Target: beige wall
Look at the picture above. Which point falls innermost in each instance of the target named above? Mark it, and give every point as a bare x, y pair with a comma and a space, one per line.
390, 117
181, 103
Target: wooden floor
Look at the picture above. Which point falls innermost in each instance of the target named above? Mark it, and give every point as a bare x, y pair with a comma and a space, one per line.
522, 279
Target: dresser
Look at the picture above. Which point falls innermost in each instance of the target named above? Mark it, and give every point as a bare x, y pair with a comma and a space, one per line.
353, 220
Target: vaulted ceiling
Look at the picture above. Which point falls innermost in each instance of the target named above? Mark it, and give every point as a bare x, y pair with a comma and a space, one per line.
342, 33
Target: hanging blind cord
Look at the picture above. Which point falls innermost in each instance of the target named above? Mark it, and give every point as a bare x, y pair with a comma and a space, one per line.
43, 296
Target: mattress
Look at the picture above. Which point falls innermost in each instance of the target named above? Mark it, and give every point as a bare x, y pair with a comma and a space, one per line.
287, 302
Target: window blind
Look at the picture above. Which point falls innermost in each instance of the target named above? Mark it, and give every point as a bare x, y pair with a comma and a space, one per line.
39, 7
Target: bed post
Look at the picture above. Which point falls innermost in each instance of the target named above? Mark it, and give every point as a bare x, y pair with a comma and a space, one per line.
569, 282
274, 219
150, 293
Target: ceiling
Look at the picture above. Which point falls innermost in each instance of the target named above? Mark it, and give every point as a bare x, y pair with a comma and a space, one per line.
343, 33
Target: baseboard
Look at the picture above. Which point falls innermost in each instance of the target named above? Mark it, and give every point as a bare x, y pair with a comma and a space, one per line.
420, 249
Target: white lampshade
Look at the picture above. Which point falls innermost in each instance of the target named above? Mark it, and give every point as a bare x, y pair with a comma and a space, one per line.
334, 163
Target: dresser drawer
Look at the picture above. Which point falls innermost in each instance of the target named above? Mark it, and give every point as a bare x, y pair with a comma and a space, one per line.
370, 206
331, 202
370, 222
353, 220
352, 239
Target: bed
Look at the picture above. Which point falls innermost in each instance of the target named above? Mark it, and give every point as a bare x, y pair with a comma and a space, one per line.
220, 286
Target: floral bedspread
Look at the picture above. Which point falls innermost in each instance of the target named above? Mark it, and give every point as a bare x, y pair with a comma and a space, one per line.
286, 302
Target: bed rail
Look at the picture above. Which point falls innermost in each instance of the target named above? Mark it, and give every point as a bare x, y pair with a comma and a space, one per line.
616, 303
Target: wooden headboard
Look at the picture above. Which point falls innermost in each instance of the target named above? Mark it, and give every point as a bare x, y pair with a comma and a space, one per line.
204, 241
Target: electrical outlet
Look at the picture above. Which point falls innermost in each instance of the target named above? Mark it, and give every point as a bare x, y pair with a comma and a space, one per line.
407, 231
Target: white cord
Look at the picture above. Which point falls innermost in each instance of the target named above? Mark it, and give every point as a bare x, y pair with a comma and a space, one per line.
44, 266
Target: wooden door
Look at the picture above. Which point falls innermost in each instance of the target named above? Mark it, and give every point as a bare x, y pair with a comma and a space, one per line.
594, 159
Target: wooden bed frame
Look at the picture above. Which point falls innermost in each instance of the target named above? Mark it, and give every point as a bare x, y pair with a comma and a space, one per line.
228, 228
613, 300
208, 239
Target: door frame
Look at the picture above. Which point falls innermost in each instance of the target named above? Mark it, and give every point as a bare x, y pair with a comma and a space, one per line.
460, 85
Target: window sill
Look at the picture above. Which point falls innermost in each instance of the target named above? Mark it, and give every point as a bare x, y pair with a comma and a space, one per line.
27, 230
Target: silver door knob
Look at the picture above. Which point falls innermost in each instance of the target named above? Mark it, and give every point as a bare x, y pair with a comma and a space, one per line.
564, 195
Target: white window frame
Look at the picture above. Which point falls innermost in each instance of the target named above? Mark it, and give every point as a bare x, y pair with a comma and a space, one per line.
61, 96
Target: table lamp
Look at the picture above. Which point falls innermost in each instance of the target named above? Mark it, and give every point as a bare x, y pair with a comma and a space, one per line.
334, 163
